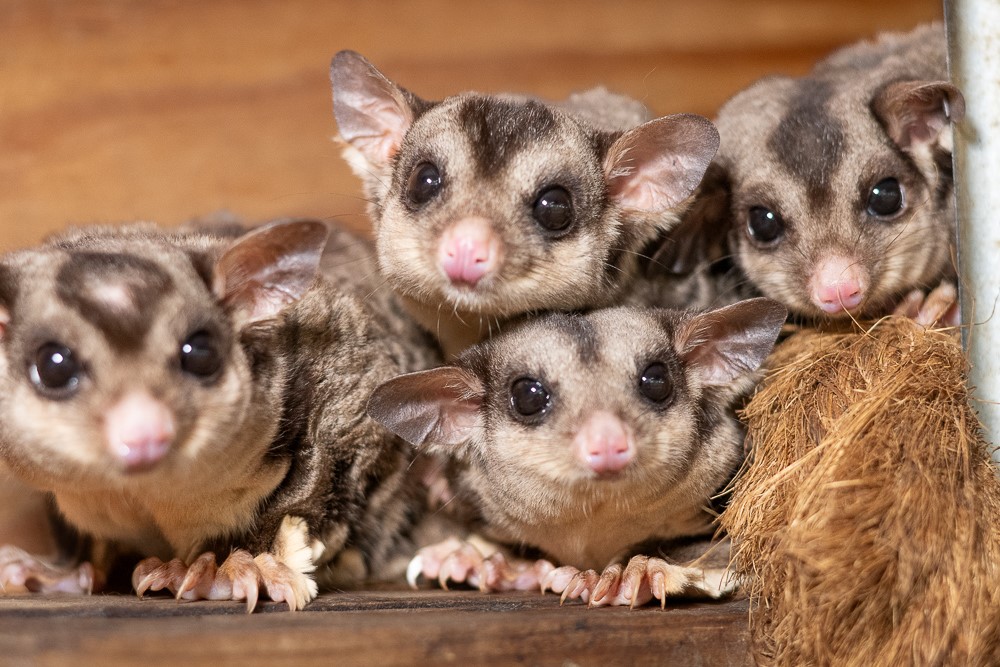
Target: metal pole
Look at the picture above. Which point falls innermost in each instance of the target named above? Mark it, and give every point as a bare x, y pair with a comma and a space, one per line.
974, 52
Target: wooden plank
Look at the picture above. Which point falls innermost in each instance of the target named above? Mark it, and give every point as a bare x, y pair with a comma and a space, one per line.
384, 628
113, 110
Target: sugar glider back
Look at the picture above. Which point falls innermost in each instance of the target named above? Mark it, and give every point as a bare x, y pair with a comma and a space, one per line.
183, 395
489, 206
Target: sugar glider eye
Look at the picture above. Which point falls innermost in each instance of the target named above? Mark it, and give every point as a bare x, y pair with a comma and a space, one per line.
885, 199
424, 183
200, 355
764, 226
529, 398
55, 370
553, 209
654, 383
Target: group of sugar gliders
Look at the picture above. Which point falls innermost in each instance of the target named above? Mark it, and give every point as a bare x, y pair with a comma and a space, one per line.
528, 381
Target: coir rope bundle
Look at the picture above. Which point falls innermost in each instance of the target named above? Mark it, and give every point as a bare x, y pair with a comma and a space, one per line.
867, 521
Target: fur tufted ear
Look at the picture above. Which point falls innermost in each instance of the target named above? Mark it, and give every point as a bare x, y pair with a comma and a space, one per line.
439, 407
729, 343
654, 167
373, 114
266, 270
917, 114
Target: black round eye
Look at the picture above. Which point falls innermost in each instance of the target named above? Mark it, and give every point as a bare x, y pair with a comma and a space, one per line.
553, 209
55, 369
529, 397
764, 225
424, 183
654, 383
200, 355
885, 199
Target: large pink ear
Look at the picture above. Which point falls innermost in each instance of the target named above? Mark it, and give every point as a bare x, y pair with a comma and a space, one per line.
439, 407
373, 114
729, 343
271, 267
654, 167
917, 114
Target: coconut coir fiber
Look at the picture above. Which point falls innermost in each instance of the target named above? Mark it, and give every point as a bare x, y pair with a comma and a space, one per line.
866, 523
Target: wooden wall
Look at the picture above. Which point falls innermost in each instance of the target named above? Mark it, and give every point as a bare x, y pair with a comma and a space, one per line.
162, 110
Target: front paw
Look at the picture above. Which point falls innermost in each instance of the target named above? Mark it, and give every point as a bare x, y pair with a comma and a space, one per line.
939, 308
635, 584
240, 577
463, 562
20, 572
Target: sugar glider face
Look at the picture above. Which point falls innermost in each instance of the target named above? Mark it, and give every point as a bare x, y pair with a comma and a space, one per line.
123, 356
568, 409
499, 204
840, 182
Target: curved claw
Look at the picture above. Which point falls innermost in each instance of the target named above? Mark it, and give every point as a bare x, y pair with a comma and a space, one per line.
145, 572
201, 572
579, 586
443, 579
657, 586
252, 592
610, 578
283, 593
143, 586
413, 570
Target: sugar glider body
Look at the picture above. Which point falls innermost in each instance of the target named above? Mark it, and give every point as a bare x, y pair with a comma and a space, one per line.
587, 435
184, 394
837, 186
486, 207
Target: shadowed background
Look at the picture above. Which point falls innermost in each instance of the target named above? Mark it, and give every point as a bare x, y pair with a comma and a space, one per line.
114, 111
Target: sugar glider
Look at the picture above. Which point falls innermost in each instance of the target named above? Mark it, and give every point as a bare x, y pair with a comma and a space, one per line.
838, 184
188, 395
586, 437
489, 206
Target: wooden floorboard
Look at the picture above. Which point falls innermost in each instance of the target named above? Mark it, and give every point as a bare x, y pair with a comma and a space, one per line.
369, 628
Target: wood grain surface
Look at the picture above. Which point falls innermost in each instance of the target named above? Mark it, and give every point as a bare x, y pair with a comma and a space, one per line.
369, 628
163, 110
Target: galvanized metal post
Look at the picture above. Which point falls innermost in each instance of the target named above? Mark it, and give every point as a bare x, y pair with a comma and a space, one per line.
974, 51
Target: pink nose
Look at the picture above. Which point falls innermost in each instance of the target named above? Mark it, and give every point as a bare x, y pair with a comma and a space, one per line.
604, 443
138, 430
838, 284
469, 250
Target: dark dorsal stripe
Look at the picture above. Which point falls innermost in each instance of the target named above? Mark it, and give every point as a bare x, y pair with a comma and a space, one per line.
578, 329
125, 325
498, 129
809, 142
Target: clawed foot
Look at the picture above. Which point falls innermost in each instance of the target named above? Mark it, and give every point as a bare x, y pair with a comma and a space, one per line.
635, 584
20, 572
939, 308
462, 562
240, 577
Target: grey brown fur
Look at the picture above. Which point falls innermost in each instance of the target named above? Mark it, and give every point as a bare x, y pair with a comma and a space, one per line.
811, 149
496, 153
280, 432
522, 476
